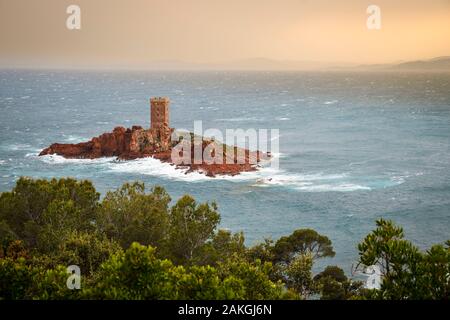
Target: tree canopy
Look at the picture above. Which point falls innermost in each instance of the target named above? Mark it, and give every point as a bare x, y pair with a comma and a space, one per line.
137, 244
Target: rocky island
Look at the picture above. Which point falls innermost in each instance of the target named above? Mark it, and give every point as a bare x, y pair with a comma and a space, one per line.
137, 142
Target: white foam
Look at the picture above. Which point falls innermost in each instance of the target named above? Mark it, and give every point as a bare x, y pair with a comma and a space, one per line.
240, 119
277, 155
73, 138
264, 176
18, 147
318, 182
154, 167
331, 102
283, 119
2, 162
57, 159
398, 179
343, 187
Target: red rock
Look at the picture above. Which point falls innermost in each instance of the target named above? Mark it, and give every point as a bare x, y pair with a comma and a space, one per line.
127, 144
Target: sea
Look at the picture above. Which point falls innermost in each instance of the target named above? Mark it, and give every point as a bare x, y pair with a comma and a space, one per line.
353, 146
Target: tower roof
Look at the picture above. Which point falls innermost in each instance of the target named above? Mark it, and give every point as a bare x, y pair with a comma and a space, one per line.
159, 99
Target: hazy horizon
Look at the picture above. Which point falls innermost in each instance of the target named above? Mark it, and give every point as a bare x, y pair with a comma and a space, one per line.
217, 34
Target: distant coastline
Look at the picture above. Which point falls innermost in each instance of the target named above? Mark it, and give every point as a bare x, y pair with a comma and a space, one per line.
437, 64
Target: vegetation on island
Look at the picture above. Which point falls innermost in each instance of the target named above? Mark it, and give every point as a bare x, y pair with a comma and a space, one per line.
133, 244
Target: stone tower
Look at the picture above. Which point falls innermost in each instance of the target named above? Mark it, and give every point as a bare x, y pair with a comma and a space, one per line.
159, 114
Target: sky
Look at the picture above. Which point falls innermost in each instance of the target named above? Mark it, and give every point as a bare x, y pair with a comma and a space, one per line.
142, 33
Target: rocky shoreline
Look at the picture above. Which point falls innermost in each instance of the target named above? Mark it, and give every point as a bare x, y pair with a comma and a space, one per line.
136, 142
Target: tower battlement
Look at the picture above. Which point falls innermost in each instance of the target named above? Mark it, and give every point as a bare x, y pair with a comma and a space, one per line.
159, 113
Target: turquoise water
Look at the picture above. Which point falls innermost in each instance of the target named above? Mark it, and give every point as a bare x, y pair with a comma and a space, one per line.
353, 146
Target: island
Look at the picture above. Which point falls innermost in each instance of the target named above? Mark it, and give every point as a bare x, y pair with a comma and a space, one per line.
137, 142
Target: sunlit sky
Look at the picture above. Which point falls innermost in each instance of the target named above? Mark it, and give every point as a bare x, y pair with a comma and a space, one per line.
142, 32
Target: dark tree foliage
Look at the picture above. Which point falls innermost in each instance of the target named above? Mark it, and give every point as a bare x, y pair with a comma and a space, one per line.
40, 211
407, 273
129, 215
333, 284
301, 242
133, 244
191, 225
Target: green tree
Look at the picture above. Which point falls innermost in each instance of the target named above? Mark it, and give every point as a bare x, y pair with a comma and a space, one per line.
51, 284
263, 251
135, 274
86, 250
191, 225
302, 242
407, 273
138, 273
376, 248
299, 275
205, 283
255, 277
6, 234
436, 272
333, 284
129, 215
220, 248
34, 205
15, 278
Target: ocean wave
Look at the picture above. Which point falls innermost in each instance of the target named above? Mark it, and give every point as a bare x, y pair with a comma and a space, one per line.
331, 102
73, 138
57, 159
155, 167
240, 119
18, 147
343, 187
278, 155
400, 179
317, 182
264, 176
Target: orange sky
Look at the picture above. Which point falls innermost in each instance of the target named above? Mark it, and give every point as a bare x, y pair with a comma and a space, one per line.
140, 32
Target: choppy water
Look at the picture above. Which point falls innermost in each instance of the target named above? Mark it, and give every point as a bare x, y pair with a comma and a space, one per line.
354, 146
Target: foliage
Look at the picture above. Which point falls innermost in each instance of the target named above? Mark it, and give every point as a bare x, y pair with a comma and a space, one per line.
16, 277
299, 275
220, 248
130, 215
139, 274
262, 251
191, 225
86, 250
39, 211
407, 273
133, 245
135, 274
302, 242
254, 276
333, 284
